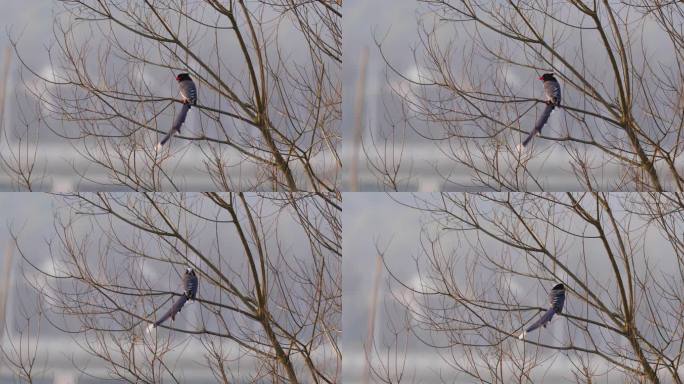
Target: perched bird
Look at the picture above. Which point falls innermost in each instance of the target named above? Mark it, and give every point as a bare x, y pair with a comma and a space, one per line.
188, 92
552, 94
556, 299
190, 285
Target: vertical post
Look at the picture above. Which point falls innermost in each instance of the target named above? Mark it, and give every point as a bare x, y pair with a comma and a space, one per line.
6, 63
358, 120
6, 276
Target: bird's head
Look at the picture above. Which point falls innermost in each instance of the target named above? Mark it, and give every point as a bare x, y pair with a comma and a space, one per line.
558, 286
190, 271
183, 76
547, 77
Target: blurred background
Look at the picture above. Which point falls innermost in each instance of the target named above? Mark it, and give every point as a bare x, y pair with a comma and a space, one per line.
57, 163
385, 123
382, 314
35, 133
30, 328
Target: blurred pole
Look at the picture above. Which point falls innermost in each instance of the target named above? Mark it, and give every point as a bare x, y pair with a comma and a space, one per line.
373, 310
358, 120
6, 62
6, 276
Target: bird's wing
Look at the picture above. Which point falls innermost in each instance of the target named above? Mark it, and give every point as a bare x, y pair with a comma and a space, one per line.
557, 299
186, 280
191, 285
552, 91
188, 90
177, 306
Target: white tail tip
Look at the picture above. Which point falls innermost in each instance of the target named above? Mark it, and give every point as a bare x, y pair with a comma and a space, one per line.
522, 335
150, 327
158, 147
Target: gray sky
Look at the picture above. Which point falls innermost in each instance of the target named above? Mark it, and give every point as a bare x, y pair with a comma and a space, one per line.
395, 24
372, 219
31, 24
32, 217
27, 20
368, 219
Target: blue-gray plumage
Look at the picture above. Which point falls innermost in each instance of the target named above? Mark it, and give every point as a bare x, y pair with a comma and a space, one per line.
188, 92
177, 123
190, 286
557, 300
552, 95
172, 312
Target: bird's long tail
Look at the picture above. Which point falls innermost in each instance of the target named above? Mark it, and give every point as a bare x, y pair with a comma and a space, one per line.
542, 321
539, 125
177, 123
529, 137
177, 306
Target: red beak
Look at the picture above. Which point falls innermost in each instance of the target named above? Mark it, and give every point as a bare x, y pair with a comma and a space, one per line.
541, 78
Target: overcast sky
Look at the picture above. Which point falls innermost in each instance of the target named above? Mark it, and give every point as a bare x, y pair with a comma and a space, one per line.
32, 216
369, 220
376, 220
30, 23
395, 24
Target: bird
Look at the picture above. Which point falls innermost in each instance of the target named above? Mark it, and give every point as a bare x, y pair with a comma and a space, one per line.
557, 300
188, 93
188, 90
190, 286
552, 94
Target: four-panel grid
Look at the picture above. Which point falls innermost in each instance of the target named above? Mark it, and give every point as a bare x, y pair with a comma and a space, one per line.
342, 191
